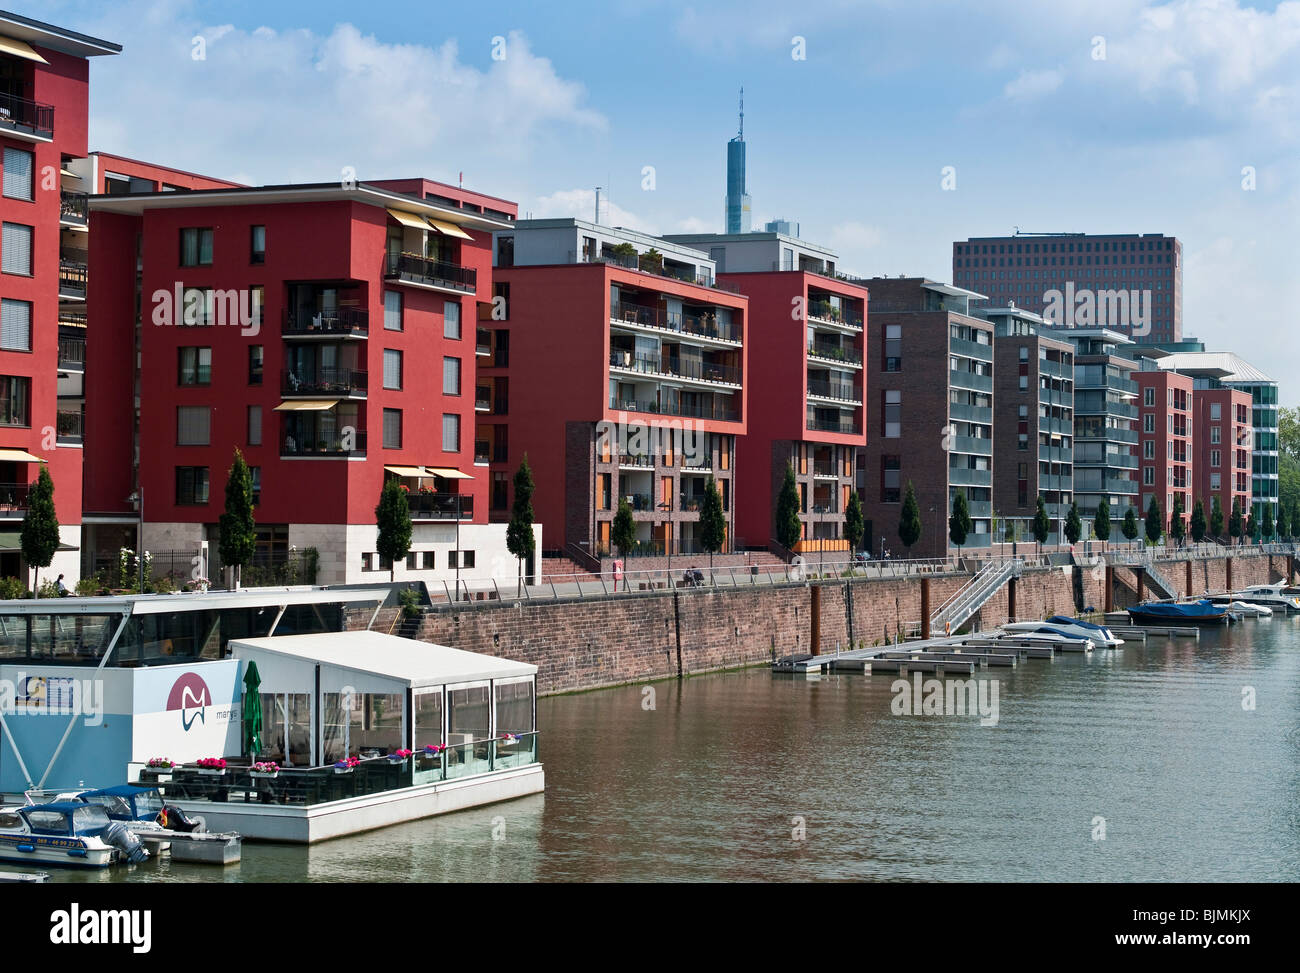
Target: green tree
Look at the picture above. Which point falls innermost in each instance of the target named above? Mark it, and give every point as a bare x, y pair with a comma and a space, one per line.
393, 520
909, 522
40, 533
520, 540
623, 533
1129, 526
237, 529
1042, 525
1177, 526
1252, 527
1235, 528
1283, 524
713, 522
959, 524
1216, 517
1101, 521
1073, 525
854, 524
1155, 522
788, 528
1266, 523
1198, 522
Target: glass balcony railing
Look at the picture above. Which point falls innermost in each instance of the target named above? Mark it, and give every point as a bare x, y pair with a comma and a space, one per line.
441, 506
413, 268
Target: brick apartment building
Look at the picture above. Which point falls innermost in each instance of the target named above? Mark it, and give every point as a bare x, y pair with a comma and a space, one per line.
937, 435
808, 332
1222, 423
1033, 424
44, 97
327, 331
1167, 455
1060, 275
625, 375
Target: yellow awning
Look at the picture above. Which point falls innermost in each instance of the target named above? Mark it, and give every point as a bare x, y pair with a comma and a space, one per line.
448, 473
408, 219
407, 470
18, 456
68, 172
306, 405
18, 49
451, 229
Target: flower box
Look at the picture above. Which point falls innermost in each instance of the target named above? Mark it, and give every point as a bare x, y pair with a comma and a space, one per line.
212, 772
263, 774
344, 770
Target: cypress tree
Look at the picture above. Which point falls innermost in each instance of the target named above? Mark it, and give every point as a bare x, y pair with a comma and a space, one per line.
960, 523
238, 531
788, 528
393, 520
1155, 522
520, 539
909, 523
1042, 526
1198, 522
853, 521
1101, 521
1216, 518
39, 538
713, 522
1073, 525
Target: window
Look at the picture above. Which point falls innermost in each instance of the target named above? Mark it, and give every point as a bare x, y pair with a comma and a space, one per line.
255, 425
196, 246
1149, 449
255, 475
1149, 422
451, 434
1215, 410
194, 366
392, 429
1148, 475
191, 485
893, 426
500, 490
466, 559
392, 368
1215, 434
451, 376
255, 364
1215, 456
20, 169
1148, 396
257, 245
16, 249
15, 325
893, 347
428, 559
501, 349
193, 425
392, 311
1022, 440
451, 319
15, 400
1024, 383
890, 476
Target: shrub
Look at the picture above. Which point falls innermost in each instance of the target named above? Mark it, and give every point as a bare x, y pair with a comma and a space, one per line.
410, 602
88, 586
48, 589
11, 588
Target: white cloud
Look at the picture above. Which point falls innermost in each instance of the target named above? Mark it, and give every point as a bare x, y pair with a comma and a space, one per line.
581, 203
1033, 84
853, 235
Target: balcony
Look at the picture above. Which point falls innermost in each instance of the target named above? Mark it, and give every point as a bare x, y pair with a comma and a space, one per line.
970, 349
706, 327
826, 468
483, 343
345, 382
1055, 454
640, 502
841, 425
411, 268
972, 444
690, 504
971, 381
840, 391
639, 263
682, 368
822, 313
342, 322
72, 354
835, 355
68, 430
643, 462
482, 399
73, 319
971, 413
74, 208
72, 279
963, 476
701, 410
441, 506
304, 445
26, 119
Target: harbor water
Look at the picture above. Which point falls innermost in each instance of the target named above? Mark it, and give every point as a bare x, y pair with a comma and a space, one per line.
1170, 761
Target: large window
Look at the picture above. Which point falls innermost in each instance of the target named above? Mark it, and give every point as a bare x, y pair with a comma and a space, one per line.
15, 325
191, 485
892, 413
257, 245
392, 429
451, 319
392, 368
193, 425
19, 179
890, 476
451, 433
451, 376
392, 311
255, 356
16, 249
255, 425
515, 707
196, 246
893, 347
15, 400
194, 366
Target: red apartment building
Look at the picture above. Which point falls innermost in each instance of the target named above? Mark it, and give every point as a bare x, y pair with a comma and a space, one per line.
807, 345
1223, 425
327, 331
621, 382
44, 96
1166, 455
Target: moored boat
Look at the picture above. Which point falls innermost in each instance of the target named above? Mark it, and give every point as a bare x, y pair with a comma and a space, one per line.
1201, 612
1070, 627
1273, 595
1244, 609
66, 833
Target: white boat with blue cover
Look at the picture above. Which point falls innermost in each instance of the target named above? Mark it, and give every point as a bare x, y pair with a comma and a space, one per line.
1073, 628
67, 834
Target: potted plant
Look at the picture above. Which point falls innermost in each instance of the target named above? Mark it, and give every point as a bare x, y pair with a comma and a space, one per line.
212, 767
264, 770
399, 757
346, 765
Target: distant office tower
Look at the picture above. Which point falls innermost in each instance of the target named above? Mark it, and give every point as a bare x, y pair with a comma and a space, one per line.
1125, 282
738, 202
782, 226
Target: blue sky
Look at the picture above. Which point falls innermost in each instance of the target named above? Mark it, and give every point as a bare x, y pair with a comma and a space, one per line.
851, 141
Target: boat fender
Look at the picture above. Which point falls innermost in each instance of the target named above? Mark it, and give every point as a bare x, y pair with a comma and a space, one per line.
124, 840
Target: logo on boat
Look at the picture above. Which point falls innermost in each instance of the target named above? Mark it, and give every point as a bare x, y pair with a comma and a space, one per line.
190, 694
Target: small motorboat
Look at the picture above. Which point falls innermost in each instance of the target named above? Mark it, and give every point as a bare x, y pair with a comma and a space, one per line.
1272, 595
141, 809
1047, 636
1201, 612
1243, 609
1071, 628
66, 833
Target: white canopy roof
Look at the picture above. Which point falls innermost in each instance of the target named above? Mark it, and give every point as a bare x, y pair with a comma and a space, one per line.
367, 662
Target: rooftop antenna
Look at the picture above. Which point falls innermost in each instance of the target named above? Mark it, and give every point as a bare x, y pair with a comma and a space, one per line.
598, 188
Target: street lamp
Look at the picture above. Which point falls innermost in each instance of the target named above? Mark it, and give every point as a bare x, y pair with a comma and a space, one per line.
137, 497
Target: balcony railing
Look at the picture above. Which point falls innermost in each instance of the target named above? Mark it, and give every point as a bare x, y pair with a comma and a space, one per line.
690, 504
18, 112
482, 399
483, 343
340, 321
72, 354
325, 381
637, 262
675, 367
13, 496
482, 450
69, 427
701, 325
841, 425
74, 208
441, 506
415, 269
640, 502
826, 469
301, 443
698, 411
75, 319
834, 390
72, 278
825, 312
834, 353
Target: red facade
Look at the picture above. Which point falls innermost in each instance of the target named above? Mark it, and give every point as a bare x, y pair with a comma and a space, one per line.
1223, 448
1166, 453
